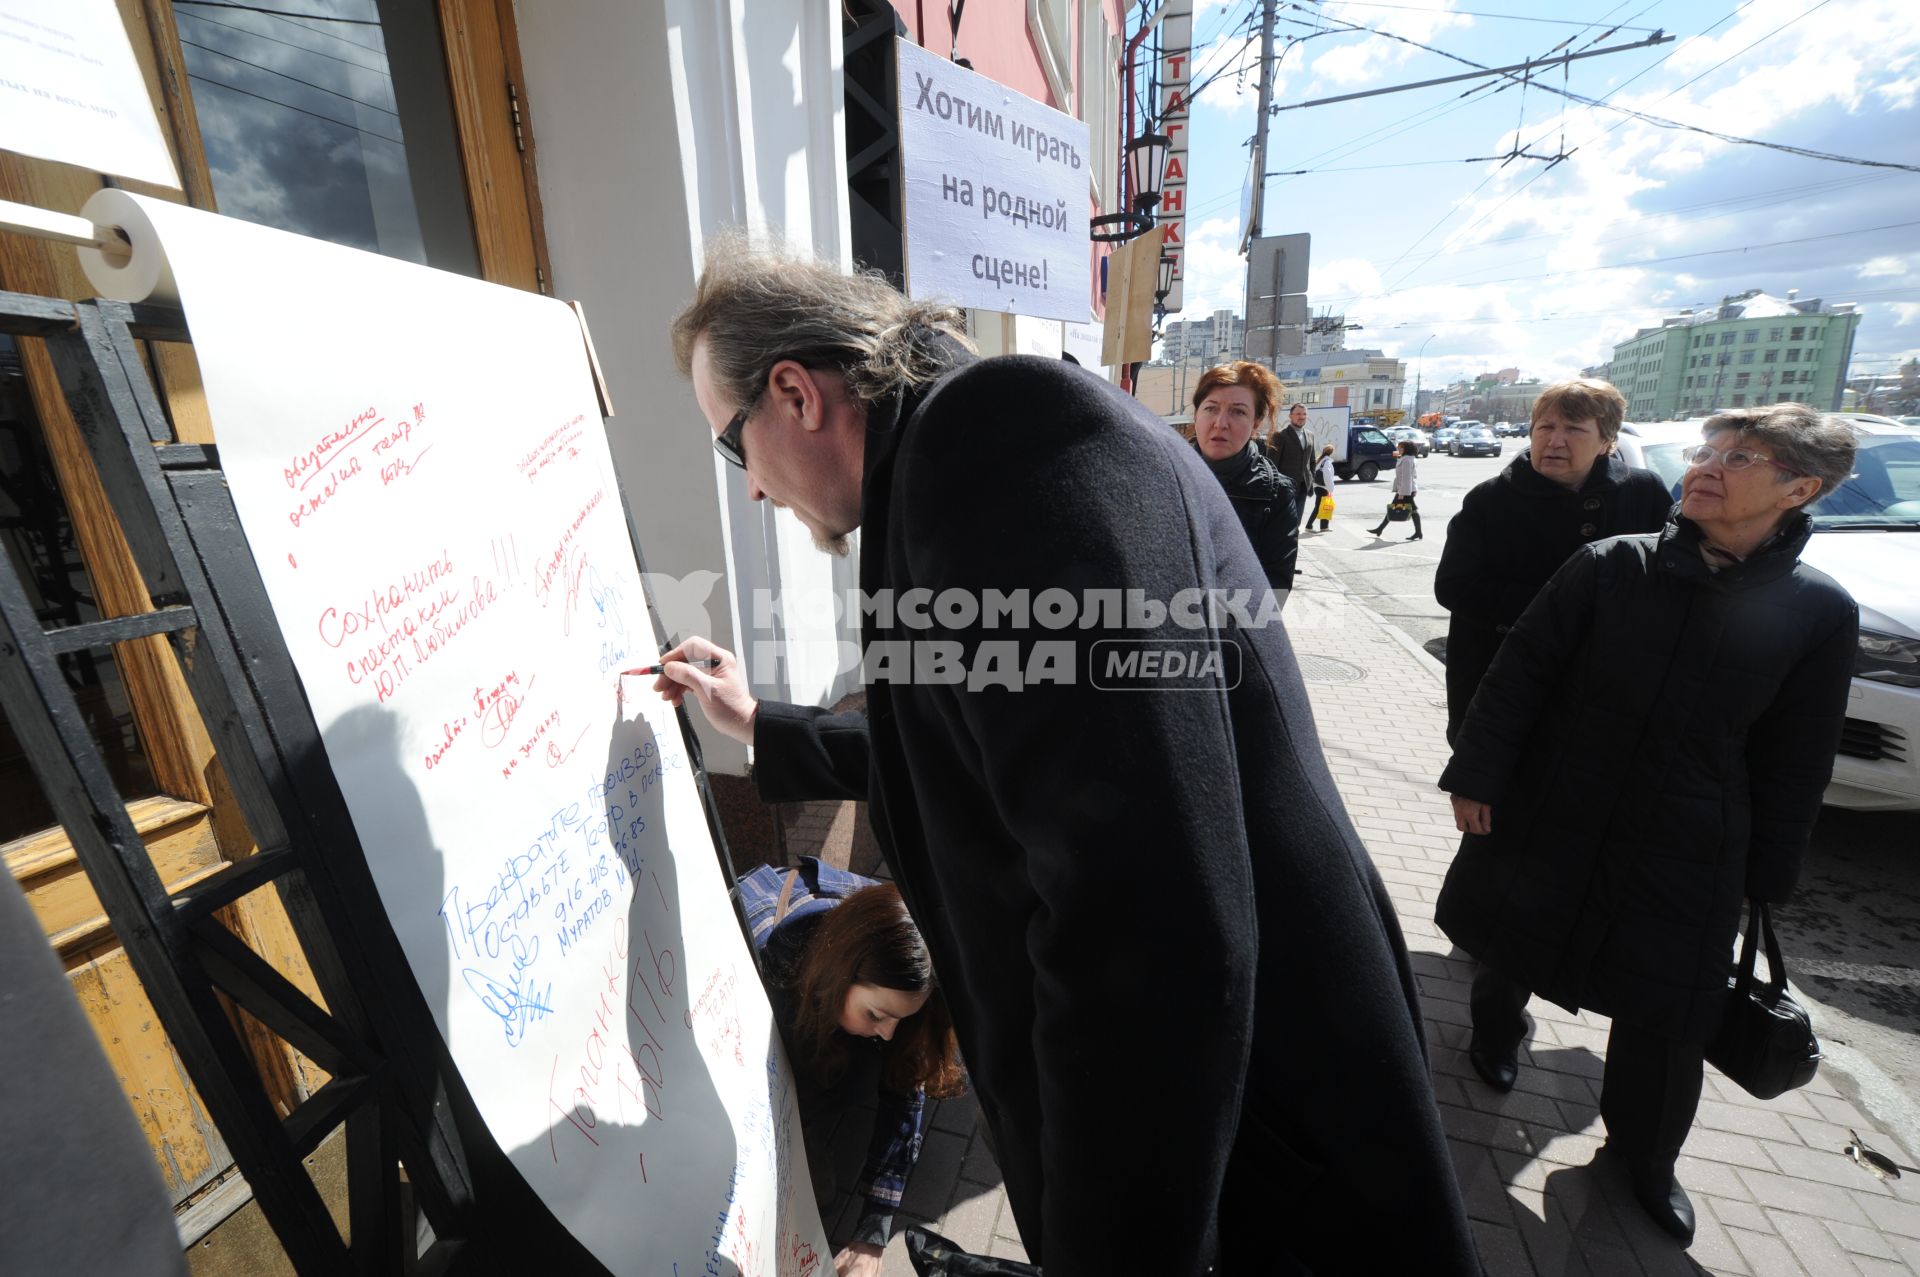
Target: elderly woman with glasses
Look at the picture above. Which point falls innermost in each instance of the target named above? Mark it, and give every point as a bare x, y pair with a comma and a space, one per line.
1648, 749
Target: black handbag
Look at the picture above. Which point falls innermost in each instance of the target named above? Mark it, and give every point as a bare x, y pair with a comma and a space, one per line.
1766, 1042
1399, 510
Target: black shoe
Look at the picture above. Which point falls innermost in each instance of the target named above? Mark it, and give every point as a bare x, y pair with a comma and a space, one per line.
1498, 1069
1417, 537
1665, 1202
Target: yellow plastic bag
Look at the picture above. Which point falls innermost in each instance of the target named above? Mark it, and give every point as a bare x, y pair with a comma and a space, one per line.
1326, 508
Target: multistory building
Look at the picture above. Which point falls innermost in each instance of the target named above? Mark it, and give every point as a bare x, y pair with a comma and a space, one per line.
1751, 349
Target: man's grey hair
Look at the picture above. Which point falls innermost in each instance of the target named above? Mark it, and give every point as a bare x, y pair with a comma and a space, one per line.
757, 304
1801, 439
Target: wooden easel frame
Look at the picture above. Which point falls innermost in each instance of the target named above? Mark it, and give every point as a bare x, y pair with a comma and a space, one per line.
394, 1087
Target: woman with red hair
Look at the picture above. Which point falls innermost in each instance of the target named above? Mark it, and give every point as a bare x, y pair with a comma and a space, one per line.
1233, 408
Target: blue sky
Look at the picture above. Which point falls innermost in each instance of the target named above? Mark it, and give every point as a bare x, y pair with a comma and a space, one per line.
1491, 265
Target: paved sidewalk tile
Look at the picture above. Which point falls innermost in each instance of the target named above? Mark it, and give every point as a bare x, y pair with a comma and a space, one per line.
1772, 1188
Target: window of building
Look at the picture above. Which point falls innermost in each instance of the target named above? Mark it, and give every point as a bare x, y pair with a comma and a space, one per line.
1726, 339
1742, 378
1775, 334
1771, 357
1751, 335
1739, 401
1797, 334
1746, 356
357, 145
1793, 356
1782, 397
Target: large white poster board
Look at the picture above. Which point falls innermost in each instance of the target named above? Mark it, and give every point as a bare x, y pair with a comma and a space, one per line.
70, 90
995, 192
420, 465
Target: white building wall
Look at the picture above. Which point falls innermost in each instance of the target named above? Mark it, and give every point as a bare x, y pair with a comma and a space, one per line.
657, 125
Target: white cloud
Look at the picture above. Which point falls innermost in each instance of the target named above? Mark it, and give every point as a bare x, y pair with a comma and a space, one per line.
1214, 274
1905, 313
1900, 95
1883, 267
1355, 61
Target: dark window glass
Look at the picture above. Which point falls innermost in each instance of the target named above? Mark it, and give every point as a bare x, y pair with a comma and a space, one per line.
339, 129
45, 554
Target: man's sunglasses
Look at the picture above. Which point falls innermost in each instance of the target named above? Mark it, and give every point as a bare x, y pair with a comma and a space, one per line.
727, 443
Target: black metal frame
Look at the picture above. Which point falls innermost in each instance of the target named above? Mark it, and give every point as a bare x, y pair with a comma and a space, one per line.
868, 31
394, 1087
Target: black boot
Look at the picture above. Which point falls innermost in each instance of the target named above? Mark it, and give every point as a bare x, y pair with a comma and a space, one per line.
1660, 1195
1498, 1066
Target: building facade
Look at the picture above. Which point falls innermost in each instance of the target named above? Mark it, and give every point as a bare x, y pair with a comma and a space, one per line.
1752, 349
1326, 333
1364, 380
1216, 339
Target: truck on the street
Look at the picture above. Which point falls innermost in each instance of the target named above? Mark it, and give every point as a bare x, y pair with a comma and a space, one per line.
1359, 452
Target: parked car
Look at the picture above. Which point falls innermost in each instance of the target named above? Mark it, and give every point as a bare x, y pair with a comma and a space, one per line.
1407, 434
1867, 537
1870, 419
1474, 441
1908, 421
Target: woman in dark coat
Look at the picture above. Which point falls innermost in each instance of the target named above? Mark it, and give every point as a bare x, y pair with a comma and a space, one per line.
1230, 405
1516, 529
1650, 747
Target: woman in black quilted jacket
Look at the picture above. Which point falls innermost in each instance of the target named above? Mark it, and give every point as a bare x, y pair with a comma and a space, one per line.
1232, 405
1648, 749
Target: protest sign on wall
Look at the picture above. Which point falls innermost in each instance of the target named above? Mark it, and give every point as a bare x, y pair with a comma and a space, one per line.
996, 193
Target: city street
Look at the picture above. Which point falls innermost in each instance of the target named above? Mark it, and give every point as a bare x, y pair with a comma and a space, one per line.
1853, 927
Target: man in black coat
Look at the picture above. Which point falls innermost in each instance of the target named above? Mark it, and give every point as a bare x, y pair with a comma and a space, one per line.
1292, 449
1514, 530
1178, 982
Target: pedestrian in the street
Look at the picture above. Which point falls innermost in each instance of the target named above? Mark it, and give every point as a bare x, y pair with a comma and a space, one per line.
1292, 449
1514, 530
1322, 499
1231, 405
1126, 894
864, 1024
1648, 750
1406, 488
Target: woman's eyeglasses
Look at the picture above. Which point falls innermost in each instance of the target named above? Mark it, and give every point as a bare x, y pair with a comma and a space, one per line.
1729, 458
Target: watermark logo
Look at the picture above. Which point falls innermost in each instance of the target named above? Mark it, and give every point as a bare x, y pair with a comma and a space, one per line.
977, 640
1163, 665
682, 601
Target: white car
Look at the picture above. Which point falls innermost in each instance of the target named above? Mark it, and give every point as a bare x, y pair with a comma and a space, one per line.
1866, 537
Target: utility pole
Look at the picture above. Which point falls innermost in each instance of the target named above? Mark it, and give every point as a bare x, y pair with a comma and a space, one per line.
1258, 174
